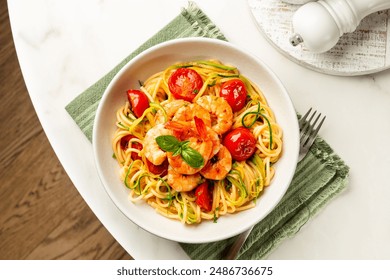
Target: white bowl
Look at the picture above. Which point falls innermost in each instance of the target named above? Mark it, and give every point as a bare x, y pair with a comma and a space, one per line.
156, 59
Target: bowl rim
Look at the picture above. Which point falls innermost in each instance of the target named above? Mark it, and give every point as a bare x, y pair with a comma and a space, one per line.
118, 76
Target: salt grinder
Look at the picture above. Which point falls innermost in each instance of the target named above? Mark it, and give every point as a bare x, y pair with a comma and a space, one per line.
319, 25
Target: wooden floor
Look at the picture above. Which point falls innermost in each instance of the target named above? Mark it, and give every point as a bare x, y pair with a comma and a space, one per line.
42, 216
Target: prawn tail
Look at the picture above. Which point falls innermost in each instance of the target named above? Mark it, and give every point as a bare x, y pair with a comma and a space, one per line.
201, 127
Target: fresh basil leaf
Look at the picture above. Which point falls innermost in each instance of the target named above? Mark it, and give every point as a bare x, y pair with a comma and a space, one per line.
185, 144
168, 143
192, 157
176, 152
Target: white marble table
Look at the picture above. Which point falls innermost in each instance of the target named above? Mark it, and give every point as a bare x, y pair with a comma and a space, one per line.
65, 46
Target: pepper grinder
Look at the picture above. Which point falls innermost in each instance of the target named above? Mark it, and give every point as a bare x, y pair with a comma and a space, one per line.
319, 25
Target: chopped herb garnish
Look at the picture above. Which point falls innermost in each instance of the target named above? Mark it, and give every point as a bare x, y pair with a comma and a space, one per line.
215, 217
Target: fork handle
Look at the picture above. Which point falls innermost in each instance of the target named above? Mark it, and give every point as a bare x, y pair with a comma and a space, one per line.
236, 246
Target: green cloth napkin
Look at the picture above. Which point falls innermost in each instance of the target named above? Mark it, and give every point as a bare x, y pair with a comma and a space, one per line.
318, 178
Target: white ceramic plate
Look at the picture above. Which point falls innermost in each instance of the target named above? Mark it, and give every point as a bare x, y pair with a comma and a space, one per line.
156, 59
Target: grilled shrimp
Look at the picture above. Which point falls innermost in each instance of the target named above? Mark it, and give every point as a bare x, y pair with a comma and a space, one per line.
198, 140
203, 147
218, 166
220, 111
181, 182
170, 109
151, 149
214, 137
187, 113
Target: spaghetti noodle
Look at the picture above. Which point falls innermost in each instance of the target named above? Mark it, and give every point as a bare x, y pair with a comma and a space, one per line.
158, 150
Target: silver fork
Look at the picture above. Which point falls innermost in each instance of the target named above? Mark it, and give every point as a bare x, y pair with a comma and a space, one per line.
307, 134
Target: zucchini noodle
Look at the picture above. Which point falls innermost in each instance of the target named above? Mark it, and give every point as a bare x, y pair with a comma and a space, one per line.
244, 183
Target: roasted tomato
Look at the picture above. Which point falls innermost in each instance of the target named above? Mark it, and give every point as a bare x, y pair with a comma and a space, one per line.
185, 84
138, 100
125, 144
241, 143
234, 92
203, 196
161, 169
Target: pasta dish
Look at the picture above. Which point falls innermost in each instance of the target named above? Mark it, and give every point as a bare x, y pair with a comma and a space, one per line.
197, 141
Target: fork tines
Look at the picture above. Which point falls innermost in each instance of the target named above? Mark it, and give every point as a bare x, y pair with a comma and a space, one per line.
308, 130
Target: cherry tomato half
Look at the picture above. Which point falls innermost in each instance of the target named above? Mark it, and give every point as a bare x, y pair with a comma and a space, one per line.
241, 143
161, 169
138, 100
203, 196
125, 144
234, 92
185, 84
